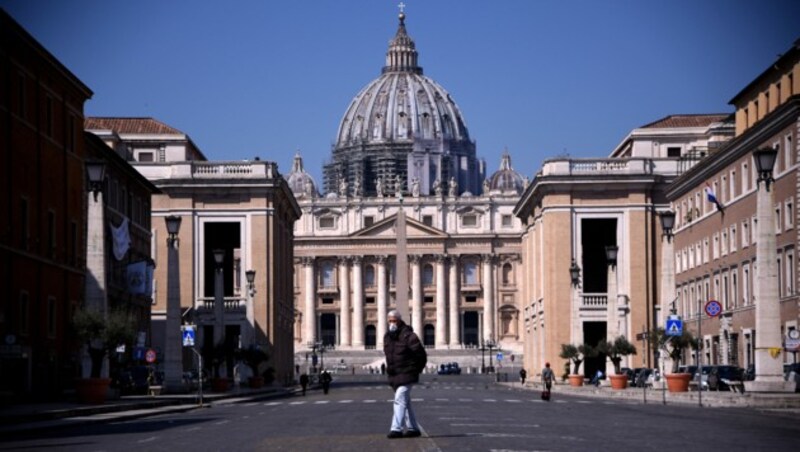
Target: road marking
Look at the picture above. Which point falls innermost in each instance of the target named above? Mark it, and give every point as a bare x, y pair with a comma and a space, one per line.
442, 400
490, 400
513, 401
454, 418
370, 401
415, 400
501, 435
465, 400
245, 417
321, 402
297, 403
561, 401
497, 425
345, 401
221, 422
273, 403
152, 438
584, 401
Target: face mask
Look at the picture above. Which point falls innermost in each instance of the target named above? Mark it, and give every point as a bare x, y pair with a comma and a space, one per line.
392, 327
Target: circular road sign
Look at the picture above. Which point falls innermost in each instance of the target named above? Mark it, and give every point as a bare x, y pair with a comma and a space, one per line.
150, 356
713, 308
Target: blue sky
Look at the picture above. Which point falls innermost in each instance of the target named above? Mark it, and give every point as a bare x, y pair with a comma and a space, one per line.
542, 78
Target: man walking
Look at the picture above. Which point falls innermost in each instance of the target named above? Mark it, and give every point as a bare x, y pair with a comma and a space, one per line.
304, 382
522, 375
547, 380
405, 360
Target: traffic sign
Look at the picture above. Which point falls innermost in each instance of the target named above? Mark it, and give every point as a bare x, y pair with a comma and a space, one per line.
713, 308
188, 335
792, 341
499, 356
150, 356
674, 326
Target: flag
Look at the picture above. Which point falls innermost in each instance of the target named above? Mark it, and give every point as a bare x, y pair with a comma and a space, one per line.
121, 239
136, 276
712, 197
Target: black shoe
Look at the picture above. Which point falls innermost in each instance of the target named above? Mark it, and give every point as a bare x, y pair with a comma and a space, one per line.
412, 434
394, 434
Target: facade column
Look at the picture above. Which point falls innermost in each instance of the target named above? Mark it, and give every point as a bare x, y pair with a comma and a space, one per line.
344, 301
668, 300
417, 314
455, 318
441, 303
383, 301
96, 289
358, 304
611, 312
310, 315
488, 298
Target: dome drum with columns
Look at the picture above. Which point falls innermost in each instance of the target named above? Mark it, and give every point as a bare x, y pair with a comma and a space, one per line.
403, 124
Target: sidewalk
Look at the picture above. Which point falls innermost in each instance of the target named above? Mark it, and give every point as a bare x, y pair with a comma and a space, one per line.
715, 399
34, 417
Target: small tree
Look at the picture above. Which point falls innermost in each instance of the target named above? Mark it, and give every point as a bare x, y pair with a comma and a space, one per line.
576, 354
253, 356
102, 336
617, 350
673, 345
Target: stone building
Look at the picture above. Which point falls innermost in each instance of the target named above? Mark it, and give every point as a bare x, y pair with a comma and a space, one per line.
715, 246
246, 210
403, 143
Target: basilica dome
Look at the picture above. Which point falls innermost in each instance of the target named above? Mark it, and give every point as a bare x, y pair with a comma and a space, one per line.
506, 179
403, 125
300, 182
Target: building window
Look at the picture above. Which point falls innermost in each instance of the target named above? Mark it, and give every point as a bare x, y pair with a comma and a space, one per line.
428, 299
745, 233
326, 274
469, 221
470, 274
369, 221
790, 272
706, 254
746, 285
471, 299
327, 300
507, 275
146, 157
427, 220
673, 151
506, 221
732, 184
427, 275
24, 219
369, 276
724, 242
369, 300
23, 313
48, 116
778, 225
788, 155
51, 234
733, 238
745, 177
715, 248
51, 317
788, 214
734, 287
327, 223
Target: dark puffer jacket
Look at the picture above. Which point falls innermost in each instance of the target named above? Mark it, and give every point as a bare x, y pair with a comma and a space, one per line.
405, 356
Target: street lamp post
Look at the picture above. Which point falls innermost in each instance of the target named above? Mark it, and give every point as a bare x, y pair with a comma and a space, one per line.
251, 293
768, 362
611, 323
96, 288
219, 301
575, 279
173, 353
667, 274
491, 345
483, 358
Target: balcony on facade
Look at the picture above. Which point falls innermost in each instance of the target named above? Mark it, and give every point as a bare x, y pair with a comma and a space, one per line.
209, 170
610, 166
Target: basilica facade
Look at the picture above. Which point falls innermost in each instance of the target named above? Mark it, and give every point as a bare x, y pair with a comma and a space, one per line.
403, 144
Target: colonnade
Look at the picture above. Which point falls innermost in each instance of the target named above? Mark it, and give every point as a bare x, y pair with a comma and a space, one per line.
352, 297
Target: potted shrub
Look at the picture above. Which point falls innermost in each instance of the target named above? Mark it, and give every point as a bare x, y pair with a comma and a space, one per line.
102, 336
576, 355
219, 358
675, 347
253, 356
616, 351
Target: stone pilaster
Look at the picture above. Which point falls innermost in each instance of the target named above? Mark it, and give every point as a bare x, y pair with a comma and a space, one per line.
358, 304
417, 313
310, 315
383, 300
344, 301
455, 318
441, 303
488, 298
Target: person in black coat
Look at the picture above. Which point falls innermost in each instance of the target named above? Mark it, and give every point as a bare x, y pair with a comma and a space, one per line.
405, 360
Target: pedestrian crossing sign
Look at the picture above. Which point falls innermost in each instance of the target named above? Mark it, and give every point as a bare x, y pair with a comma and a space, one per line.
188, 335
674, 326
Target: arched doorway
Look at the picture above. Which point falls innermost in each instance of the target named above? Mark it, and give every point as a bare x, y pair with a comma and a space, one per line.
471, 328
327, 329
429, 333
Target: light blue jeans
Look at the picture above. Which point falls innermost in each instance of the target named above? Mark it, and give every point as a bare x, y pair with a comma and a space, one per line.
403, 413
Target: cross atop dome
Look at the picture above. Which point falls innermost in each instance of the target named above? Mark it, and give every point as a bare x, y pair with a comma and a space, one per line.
402, 54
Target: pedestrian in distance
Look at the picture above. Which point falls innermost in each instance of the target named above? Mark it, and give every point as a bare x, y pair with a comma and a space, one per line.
548, 377
325, 378
522, 375
304, 382
405, 360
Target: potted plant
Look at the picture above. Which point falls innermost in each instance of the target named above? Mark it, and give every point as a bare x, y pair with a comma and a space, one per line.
616, 351
675, 346
219, 358
253, 356
576, 355
102, 336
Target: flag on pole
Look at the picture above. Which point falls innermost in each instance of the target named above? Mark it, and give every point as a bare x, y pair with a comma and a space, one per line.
712, 197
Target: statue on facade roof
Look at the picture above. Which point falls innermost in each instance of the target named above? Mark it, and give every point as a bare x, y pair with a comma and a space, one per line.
453, 190
415, 188
379, 187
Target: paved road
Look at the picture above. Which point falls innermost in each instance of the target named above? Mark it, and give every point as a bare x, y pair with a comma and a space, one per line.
455, 413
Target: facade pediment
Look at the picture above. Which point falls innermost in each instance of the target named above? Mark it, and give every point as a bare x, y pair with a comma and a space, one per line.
386, 228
